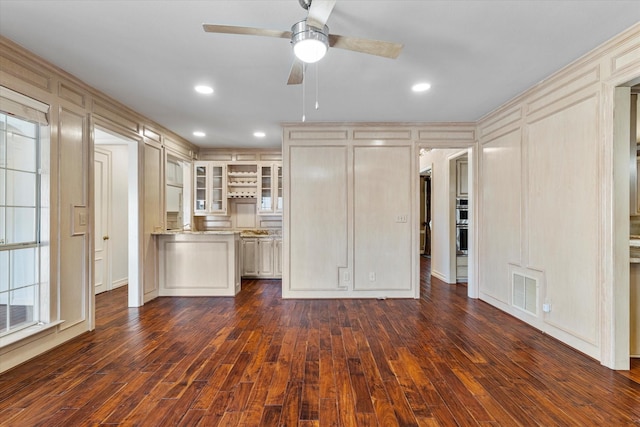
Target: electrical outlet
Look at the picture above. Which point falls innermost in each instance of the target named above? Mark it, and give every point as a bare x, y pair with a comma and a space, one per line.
546, 307
372, 276
401, 218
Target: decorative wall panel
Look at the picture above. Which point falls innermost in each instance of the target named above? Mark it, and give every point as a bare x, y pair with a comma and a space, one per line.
318, 216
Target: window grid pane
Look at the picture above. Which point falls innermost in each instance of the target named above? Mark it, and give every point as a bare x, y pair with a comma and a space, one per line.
19, 224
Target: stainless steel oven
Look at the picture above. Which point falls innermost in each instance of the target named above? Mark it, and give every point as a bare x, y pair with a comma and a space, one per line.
462, 211
462, 239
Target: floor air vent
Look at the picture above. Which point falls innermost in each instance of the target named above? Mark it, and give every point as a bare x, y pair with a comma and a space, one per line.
525, 293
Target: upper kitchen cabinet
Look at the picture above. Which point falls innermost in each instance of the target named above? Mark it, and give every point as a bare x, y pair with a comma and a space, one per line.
462, 178
174, 176
242, 180
210, 181
270, 190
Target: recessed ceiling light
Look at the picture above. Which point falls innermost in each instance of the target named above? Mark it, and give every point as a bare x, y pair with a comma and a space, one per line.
420, 87
205, 90
199, 134
259, 134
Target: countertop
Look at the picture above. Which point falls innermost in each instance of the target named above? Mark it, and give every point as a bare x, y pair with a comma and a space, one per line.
634, 245
270, 234
174, 232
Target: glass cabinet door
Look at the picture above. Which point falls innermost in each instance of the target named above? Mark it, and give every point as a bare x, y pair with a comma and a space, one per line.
217, 182
200, 188
209, 192
279, 189
266, 191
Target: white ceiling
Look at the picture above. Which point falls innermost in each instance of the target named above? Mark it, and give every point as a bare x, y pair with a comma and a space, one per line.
150, 54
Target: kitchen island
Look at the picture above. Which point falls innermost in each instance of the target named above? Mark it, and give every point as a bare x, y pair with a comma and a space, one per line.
199, 263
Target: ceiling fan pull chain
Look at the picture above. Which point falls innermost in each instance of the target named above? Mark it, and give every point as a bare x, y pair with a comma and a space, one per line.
317, 78
303, 91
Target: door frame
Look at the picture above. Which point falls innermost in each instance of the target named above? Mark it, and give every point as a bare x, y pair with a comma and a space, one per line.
616, 319
473, 159
135, 147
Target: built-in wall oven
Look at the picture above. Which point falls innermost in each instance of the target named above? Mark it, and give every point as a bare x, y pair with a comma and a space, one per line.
462, 239
462, 211
462, 226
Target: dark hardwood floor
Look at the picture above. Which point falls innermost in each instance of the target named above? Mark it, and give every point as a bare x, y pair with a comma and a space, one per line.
442, 360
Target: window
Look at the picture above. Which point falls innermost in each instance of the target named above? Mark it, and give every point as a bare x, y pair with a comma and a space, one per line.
21, 215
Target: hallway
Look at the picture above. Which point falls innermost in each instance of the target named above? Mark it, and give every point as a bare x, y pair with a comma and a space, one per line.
259, 360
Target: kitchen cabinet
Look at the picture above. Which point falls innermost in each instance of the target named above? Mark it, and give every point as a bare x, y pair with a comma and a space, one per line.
635, 207
199, 263
270, 190
249, 257
242, 180
277, 257
209, 188
462, 178
262, 257
173, 171
216, 182
174, 181
462, 268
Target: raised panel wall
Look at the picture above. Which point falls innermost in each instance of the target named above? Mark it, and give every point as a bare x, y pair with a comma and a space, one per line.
153, 215
382, 195
564, 213
500, 234
317, 216
74, 240
349, 227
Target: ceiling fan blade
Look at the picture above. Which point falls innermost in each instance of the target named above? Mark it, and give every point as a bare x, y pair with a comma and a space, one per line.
372, 47
319, 12
297, 72
230, 29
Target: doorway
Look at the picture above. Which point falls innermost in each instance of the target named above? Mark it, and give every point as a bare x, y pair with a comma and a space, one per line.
425, 212
440, 167
116, 225
623, 326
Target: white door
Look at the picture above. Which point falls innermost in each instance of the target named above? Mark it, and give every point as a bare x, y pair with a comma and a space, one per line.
102, 267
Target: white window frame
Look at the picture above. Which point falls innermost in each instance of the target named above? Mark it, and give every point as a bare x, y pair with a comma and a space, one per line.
28, 109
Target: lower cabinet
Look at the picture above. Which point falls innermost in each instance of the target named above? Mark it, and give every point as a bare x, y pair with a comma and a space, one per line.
462, 267
261, 257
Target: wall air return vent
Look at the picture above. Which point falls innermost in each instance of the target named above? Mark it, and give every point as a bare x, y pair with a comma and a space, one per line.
525, 293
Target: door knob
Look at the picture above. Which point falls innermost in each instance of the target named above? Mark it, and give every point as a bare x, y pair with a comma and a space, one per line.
105, 237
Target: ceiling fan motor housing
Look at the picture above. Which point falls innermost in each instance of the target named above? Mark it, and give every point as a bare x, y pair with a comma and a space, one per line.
309, 43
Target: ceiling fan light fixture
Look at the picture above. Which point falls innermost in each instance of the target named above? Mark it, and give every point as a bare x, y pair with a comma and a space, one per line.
421, 87
310, 44
204, 89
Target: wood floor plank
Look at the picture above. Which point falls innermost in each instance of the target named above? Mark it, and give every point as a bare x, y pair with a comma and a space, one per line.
256, 359
258, 396
271, 416
241, 395
328, 413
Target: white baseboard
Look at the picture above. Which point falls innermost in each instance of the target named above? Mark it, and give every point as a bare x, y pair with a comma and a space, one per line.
121, 282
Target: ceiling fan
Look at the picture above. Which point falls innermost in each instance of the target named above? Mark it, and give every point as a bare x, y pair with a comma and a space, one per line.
311, 39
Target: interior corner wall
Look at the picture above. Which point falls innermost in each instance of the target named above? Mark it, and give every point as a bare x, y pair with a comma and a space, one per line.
546, 191
71, 104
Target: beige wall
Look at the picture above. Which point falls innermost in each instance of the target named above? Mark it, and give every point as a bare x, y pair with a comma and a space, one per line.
74, 108
546, 196
349, 187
